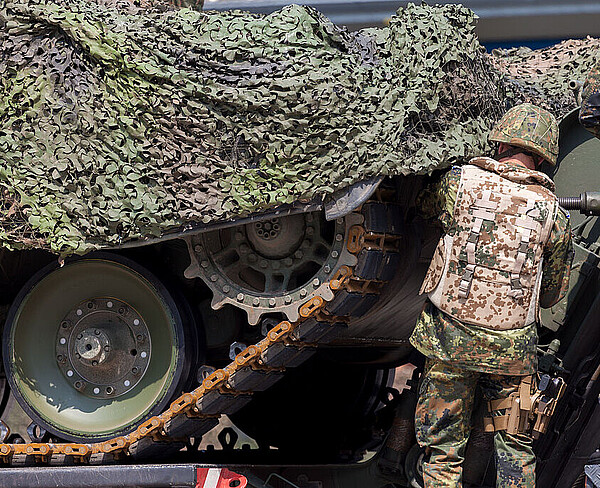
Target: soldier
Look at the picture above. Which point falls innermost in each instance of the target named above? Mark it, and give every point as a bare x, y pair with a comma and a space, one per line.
589, 114
506, 251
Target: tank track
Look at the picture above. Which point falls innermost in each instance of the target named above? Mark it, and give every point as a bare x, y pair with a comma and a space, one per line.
354, 289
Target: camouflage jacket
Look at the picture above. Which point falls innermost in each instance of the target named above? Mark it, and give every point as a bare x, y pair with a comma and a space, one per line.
438, 335
589, 114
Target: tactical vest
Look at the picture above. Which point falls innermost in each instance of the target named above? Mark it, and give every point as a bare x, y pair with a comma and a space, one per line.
486, 270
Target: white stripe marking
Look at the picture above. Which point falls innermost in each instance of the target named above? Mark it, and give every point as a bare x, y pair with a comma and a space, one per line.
212, 478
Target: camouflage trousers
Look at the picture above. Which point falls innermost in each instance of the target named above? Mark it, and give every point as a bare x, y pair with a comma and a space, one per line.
443, 423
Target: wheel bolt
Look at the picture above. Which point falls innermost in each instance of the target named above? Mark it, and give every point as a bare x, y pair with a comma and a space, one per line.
90, 305
97, 332
64, 324
80, 336
140, 337
94, 363
134, 370
77, 355
121, 311
107, 348
60, 358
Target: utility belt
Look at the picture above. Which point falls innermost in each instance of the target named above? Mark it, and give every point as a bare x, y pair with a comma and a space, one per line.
528, 410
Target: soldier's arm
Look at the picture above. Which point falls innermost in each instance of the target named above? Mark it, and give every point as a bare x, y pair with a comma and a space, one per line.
436, 200
589, 114
558, 256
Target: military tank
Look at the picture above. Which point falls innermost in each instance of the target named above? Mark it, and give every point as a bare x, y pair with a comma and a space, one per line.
170, 258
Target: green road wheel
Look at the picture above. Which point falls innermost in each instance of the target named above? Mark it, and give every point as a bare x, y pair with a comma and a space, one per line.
93, 348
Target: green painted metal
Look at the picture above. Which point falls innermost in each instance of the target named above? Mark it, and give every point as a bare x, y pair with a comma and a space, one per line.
32, 366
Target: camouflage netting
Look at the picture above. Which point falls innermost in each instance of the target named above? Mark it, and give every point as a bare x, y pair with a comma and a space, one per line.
543, 75
119, 123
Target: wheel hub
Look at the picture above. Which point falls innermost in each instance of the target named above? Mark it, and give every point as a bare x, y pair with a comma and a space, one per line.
277, 238
103, 347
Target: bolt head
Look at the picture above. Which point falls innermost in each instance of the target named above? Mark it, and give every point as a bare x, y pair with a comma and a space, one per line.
316, 282
271, 302
107, 348
97, 332
256, 302
240, 297
298, 254
288, 299
339, 237
335, 254
214, 278
303, 292
226, 289
327, 269
263, 264
204, 264
198, 248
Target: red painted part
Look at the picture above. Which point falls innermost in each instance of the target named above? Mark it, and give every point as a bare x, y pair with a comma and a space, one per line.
219, 478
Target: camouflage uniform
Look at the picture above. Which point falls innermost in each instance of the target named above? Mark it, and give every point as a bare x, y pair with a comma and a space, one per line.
589, 115
463, 356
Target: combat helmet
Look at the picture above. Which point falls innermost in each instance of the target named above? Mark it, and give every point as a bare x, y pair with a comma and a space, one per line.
530, 127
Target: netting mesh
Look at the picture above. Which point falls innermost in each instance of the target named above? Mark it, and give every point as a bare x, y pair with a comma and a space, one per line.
122, 123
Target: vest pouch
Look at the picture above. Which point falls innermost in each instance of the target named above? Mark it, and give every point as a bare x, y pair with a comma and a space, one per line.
437, 267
